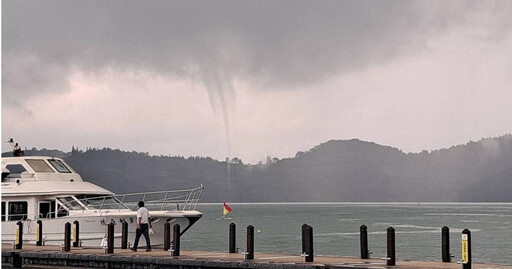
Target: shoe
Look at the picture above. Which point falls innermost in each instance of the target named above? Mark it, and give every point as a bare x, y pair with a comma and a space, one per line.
148, 250
132, 249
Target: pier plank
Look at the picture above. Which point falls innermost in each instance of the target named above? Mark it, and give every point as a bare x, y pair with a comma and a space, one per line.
228, 260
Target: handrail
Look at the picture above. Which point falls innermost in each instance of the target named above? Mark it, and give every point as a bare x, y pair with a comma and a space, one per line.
33, 216
20, 217
186, 199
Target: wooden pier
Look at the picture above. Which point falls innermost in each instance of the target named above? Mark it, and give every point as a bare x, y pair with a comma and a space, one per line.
32, 256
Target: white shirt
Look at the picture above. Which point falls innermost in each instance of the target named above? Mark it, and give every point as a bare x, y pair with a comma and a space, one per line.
143, 213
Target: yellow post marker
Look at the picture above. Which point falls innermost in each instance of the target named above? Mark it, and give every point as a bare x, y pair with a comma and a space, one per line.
74, 234
37, 234
465, 251
17, 239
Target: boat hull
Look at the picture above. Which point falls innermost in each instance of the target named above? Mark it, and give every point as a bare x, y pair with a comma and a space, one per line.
93, 228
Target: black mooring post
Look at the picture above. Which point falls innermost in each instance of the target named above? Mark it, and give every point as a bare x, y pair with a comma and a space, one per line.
176, 240
309, 244
110, 238
390, 258
67, 236
250, 243
466, 249
124, 234
232, 238
363, 238
167, 236
76, 233
39, 233
19, 235
304, 243
445, 244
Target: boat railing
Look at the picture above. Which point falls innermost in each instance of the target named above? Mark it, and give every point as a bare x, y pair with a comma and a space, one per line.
186, 199
22, 217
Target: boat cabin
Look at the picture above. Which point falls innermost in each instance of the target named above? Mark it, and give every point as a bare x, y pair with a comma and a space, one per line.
37, 187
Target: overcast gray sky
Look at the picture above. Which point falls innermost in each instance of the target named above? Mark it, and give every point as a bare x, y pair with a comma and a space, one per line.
254, 78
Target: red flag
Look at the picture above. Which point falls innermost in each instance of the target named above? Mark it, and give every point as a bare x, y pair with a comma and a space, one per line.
227, 209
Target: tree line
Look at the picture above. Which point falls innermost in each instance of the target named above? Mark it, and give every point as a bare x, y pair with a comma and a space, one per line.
334, 171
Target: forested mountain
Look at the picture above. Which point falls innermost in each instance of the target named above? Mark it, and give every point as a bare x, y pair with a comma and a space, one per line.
338, 170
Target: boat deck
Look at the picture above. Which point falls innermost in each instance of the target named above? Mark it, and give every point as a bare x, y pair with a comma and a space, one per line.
36, 255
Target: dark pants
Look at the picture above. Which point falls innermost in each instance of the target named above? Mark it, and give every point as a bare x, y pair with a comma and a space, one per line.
142, 231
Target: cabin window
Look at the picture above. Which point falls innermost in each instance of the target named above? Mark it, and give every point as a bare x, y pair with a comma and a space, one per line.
59, 166
3, 211
45, 210
15, 170
40, 166
62, 212
70, 203
18, 210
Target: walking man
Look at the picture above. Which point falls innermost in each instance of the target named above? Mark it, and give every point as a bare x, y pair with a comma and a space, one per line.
143, 225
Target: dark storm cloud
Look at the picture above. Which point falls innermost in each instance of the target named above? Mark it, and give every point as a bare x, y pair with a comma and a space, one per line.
271, 43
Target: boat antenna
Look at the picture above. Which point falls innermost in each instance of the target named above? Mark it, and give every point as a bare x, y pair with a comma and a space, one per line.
16, 149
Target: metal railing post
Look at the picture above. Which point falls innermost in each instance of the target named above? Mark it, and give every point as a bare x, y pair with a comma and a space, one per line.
102, 202
165, 201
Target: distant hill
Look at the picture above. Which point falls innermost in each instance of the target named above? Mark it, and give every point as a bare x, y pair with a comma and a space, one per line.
337, 170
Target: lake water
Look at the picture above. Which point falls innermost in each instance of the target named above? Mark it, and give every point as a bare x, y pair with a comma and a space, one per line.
336, 228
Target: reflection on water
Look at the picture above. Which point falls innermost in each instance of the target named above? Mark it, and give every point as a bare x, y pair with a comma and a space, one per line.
336, 228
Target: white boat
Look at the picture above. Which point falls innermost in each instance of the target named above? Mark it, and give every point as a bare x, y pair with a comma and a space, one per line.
48, 189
